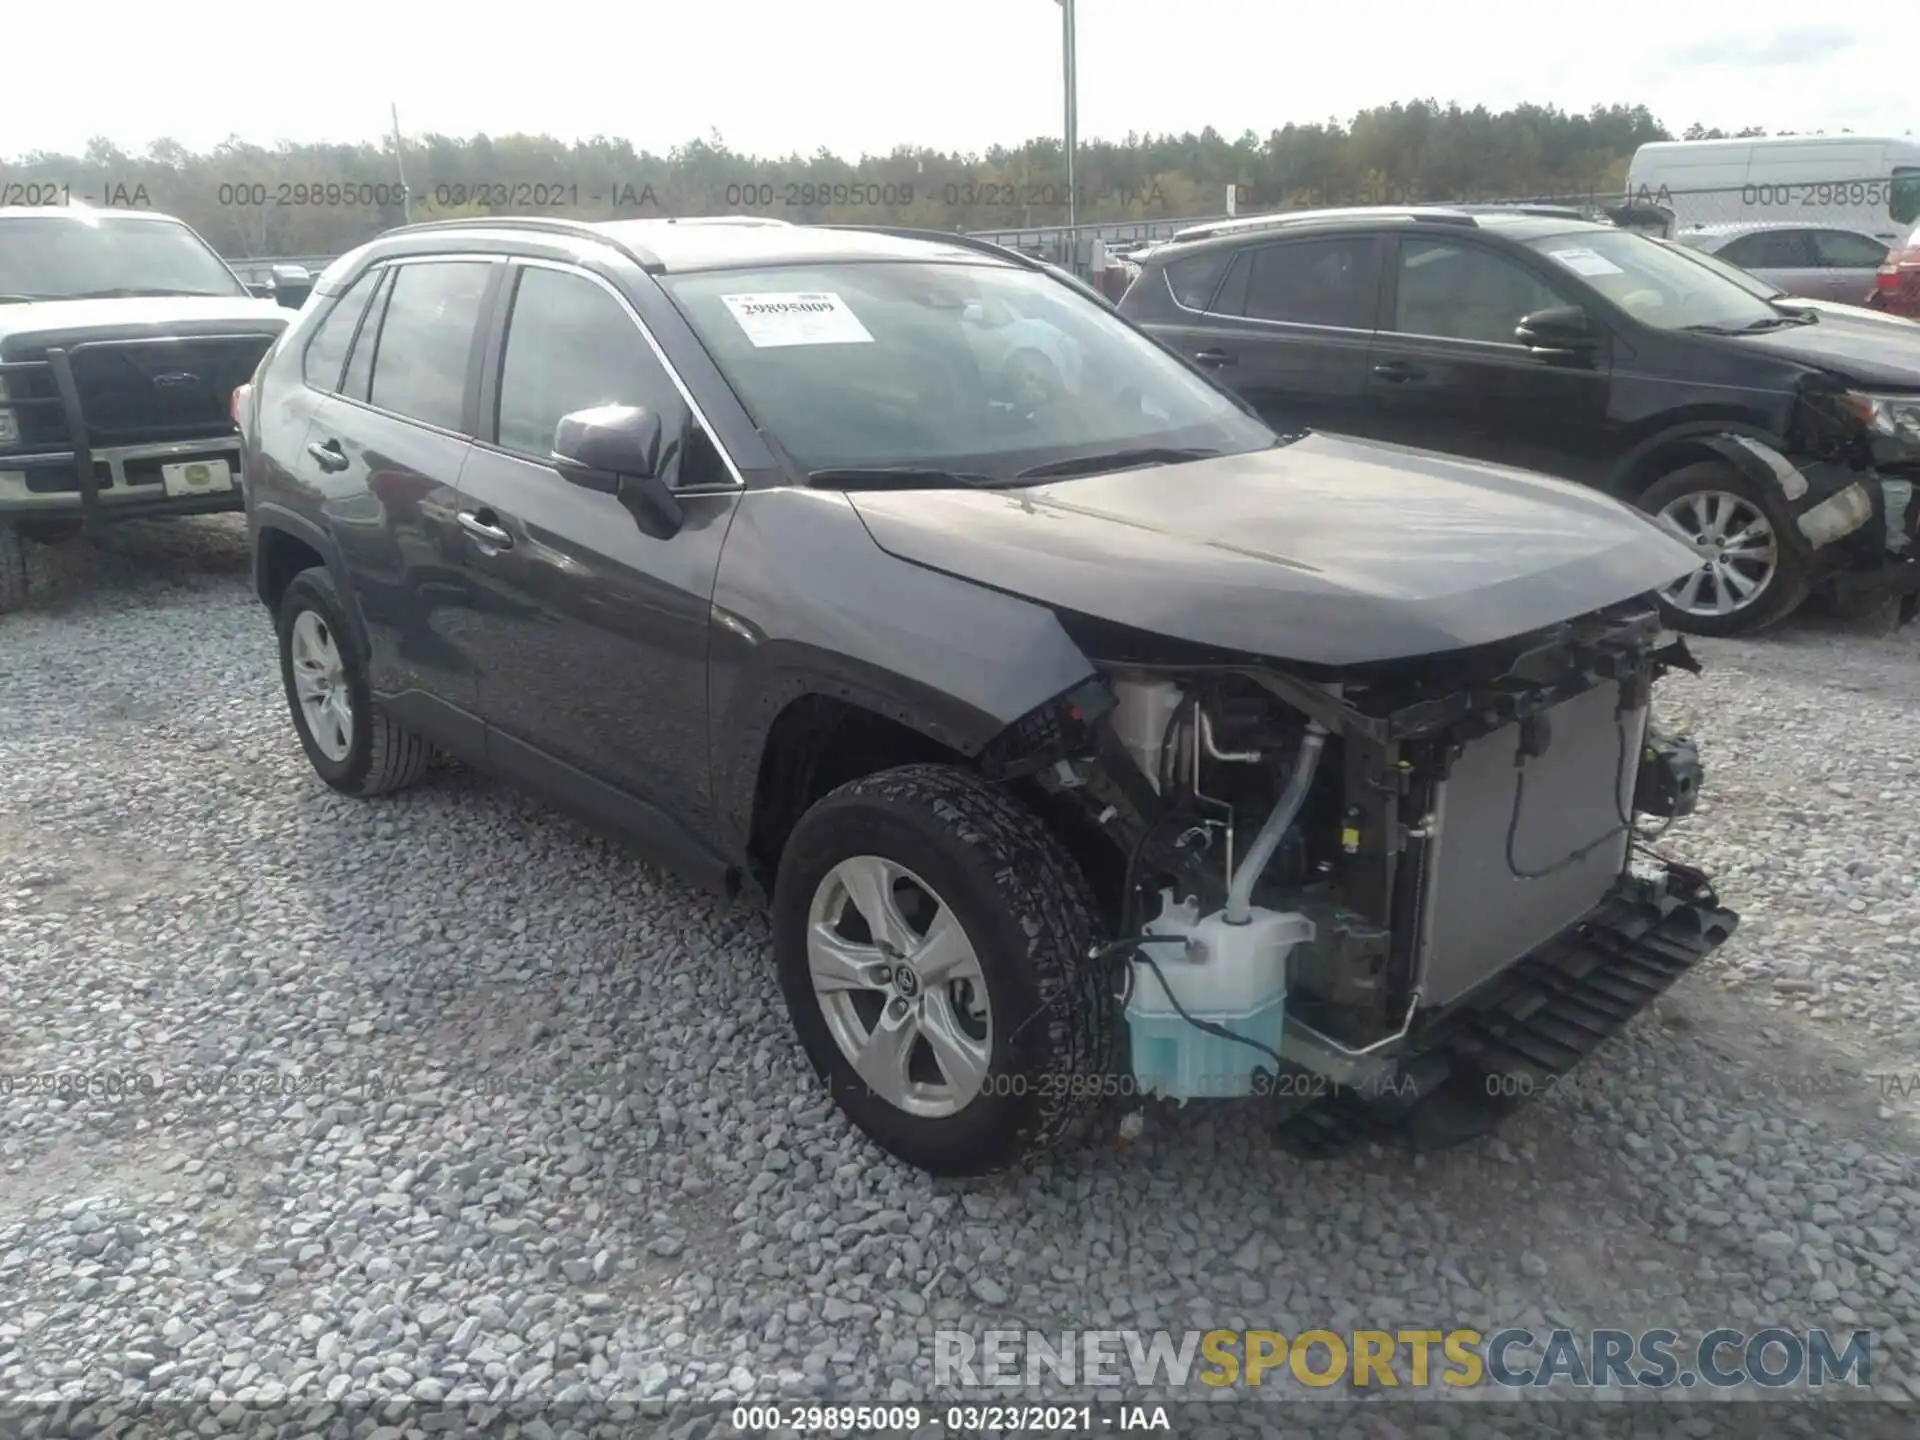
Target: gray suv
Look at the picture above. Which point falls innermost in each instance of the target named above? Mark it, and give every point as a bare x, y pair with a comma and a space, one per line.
1091, 741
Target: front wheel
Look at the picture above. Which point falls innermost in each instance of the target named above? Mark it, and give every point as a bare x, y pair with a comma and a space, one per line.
931, 936
1754, 567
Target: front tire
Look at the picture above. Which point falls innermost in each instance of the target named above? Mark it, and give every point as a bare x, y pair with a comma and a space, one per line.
1755, 568
351, 744
931, 937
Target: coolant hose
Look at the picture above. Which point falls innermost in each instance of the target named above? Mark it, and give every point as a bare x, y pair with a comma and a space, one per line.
1285, 811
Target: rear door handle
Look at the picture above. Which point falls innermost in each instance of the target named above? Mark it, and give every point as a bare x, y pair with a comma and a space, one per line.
1399, 371
328, 455
482, 530
1212, 359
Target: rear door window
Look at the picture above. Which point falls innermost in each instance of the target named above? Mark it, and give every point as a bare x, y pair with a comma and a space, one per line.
426, 340
1771, 250
1844, 250
1331, 281
354, 383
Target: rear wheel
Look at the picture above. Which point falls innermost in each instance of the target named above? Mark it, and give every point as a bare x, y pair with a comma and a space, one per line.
1754, 567
930, 935
351, 744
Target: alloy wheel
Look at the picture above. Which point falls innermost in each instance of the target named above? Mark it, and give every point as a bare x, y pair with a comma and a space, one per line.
320, 682
1739, 552
900, 986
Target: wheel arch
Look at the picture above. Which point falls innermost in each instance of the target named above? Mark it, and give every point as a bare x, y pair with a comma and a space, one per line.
284, 544
1743, 444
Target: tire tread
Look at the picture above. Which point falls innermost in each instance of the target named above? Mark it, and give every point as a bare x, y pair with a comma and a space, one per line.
1040, 887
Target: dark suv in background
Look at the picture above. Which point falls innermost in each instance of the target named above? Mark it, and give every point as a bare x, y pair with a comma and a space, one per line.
908, 582
122, 339
1781, 446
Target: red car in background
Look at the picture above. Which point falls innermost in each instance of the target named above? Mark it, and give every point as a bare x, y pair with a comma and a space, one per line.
1896, 288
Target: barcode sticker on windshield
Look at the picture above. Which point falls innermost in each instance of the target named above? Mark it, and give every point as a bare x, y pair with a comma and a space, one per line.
818, 317
1586, 262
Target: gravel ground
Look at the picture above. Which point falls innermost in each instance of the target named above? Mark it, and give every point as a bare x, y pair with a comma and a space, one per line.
458, 1102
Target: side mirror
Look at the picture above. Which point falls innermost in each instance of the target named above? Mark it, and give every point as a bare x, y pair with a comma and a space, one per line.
292, 284
1560, 330
615, 449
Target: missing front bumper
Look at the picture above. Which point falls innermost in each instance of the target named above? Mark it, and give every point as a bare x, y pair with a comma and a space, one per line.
1461, 1074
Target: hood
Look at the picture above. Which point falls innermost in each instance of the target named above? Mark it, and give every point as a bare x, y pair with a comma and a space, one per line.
60, 320
1325, 551
1886, 356
1838, 310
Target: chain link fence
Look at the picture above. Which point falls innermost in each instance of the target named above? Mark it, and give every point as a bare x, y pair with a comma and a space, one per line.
1882, 207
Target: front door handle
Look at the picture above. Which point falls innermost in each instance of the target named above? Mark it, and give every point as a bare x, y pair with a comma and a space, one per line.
481, 530
1213, 359
1399, 371
328, 455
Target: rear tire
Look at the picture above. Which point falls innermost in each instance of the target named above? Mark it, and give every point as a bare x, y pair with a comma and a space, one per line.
13, 569
1026, 920
1692, 497
353, 746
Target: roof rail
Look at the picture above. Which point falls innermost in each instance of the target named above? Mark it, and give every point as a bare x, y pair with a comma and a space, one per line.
556, 223
1432, 215
547, 224
1523, 207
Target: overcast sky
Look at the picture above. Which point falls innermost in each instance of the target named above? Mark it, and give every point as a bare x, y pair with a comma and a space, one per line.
861, 75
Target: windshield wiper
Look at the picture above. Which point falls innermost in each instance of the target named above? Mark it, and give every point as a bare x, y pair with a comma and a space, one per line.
1113, 460
898, 477
1765, 322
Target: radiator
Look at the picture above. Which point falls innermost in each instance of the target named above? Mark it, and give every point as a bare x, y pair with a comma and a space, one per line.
1479, 916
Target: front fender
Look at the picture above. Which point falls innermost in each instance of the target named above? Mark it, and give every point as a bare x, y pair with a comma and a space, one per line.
806, 603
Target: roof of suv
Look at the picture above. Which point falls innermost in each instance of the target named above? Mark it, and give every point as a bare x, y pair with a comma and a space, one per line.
1519, 223
83, 214
719, 242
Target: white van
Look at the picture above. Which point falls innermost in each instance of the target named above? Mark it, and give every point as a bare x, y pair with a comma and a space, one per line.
1864, 182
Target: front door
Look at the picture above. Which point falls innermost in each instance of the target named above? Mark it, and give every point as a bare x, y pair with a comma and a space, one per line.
1445, 371
593, 634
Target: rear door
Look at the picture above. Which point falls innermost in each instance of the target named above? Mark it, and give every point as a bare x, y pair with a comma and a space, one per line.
1446, 372
594, 634
388, 448
1288, 327
1785, 257
1849, 263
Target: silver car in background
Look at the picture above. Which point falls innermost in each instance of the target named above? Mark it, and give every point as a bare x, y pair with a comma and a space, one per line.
1815, 262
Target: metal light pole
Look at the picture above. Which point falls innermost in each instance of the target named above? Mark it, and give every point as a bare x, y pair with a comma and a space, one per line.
400, 163
1072, 126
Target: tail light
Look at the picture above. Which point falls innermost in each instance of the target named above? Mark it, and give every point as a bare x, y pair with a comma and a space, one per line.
239, 404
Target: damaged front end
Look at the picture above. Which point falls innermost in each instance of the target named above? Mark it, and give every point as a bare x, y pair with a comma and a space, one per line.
1847, 475
1396, 898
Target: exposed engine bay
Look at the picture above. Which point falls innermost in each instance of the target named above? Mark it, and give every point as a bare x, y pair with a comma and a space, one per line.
1324, 872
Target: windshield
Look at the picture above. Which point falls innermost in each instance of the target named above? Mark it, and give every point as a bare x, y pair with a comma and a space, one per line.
1747, 281
61, 257
985, 370
1655, 285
